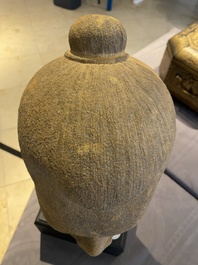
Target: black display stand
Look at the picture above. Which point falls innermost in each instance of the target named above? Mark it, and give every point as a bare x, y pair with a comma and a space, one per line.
116, 248
68, 4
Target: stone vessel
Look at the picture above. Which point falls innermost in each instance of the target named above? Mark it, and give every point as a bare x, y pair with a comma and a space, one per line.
96, 128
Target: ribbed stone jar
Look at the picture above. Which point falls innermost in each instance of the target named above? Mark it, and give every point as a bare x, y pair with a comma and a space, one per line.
96, 128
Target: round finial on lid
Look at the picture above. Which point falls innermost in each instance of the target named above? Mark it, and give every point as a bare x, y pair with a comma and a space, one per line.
96, 36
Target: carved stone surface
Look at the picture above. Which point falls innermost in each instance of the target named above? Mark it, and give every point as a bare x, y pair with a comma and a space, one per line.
96, 128
179, 67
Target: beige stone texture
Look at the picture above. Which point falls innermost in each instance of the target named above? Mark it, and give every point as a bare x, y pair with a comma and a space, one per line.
96, 128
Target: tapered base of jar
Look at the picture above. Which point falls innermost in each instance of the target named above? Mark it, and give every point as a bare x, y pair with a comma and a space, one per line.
115, 248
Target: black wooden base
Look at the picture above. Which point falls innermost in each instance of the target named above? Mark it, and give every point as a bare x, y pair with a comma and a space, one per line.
116, 248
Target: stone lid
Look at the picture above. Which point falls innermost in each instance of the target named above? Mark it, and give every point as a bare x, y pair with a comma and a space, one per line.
97, 38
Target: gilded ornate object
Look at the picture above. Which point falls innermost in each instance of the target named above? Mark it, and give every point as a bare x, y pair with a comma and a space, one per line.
96, 128
179, 66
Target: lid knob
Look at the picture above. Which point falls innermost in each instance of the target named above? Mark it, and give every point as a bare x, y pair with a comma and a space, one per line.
97, 36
